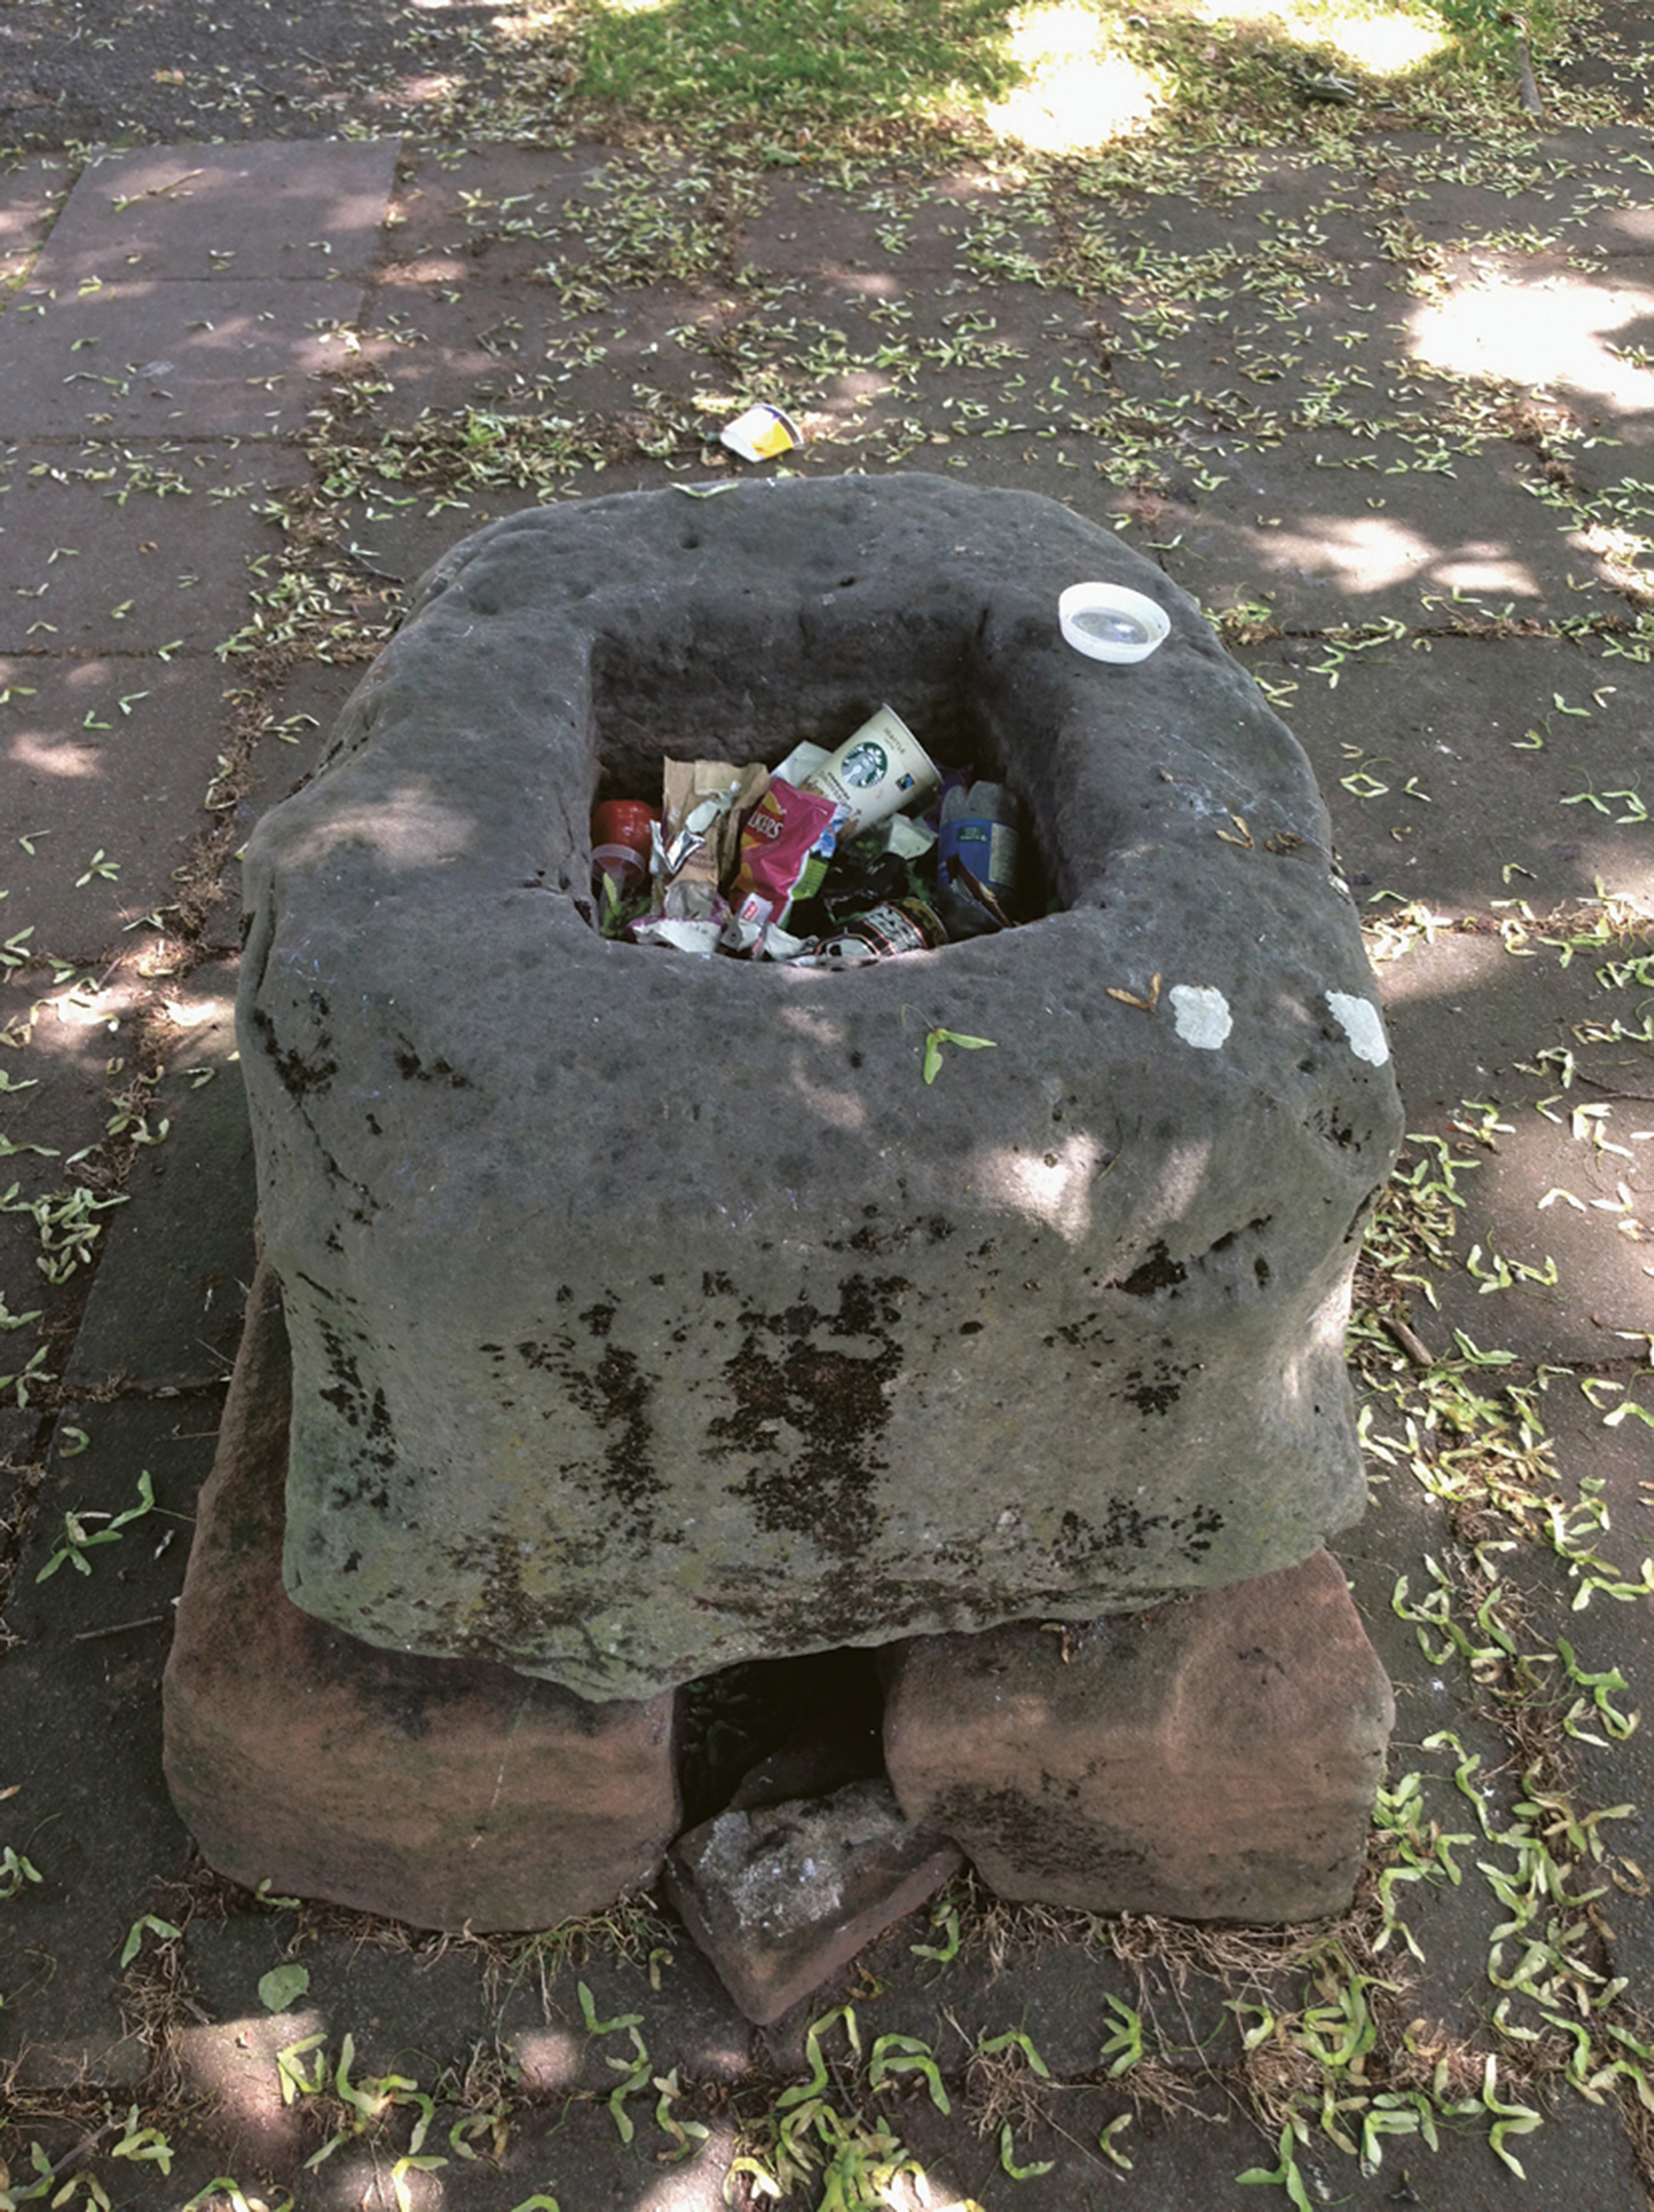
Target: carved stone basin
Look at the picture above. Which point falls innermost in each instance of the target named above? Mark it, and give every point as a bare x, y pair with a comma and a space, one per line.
651, 1313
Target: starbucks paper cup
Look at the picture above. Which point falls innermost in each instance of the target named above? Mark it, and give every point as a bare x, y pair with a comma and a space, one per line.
879, 770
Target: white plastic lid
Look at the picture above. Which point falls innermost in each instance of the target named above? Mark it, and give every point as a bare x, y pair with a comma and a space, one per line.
1108, 623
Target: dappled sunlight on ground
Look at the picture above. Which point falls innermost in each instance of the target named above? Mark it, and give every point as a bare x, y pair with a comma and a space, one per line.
1590, 334
1364, 555
55, 754
1455, 963
233, 2065
1080, 94
1386, 45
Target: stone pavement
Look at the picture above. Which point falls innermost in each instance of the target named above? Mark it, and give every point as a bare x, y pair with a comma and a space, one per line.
1390, 421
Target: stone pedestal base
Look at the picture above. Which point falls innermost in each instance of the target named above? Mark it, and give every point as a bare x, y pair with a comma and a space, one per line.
445, 1793
1214, 1760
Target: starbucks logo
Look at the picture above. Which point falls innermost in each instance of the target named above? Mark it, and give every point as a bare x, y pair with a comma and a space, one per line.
865, 765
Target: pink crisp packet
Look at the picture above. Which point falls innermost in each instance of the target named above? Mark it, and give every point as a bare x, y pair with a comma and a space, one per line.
786, 843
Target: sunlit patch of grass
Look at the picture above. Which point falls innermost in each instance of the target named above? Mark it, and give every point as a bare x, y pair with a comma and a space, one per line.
795, 59
1080, 88
1055, 76
1386, 38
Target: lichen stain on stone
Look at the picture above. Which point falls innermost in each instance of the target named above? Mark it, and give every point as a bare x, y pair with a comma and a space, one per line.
814, 1415
1158, 1395
505, 1623
1127, 1528
412, 1069
615, 1396
296, 1074
507, 1619
373, 1456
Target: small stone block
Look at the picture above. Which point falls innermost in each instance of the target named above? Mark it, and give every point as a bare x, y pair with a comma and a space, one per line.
1216, 1758
781, 1897
448, 1794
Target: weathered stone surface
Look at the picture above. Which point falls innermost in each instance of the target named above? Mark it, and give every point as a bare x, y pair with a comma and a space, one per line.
442, 1792
1215, 1760
651, 1314
781, 1896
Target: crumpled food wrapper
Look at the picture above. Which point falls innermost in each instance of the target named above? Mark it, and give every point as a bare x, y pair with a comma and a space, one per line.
703, 804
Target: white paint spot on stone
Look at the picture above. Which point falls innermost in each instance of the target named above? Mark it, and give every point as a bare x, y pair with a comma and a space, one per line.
1362, 1024
1201, 1014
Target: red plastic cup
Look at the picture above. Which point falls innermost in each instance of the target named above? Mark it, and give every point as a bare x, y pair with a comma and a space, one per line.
621, 839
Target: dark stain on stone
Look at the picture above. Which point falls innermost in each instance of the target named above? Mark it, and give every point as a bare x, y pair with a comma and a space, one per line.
296, 1074
1330, 1130
1205, 1523
346, 1391
614, 1396
412, 1069
876, 1244
1039, 1835
509, 1620
1156, 1397
1159, 1272
363, 1478
814, 1415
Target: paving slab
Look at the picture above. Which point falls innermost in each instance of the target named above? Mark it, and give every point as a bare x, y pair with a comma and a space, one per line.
494, 211
1338, 529
80, 1734
1566, 186
104, 763
932, 228
511, 346
1541, 1190
55, 1050
108, 550
1582, 334
1608, 1635
21, 1441
1279, 209
152, 1321
299, 714
1498, 739
256, 210
31, 189
808, 224
240, 357
1178, 2161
